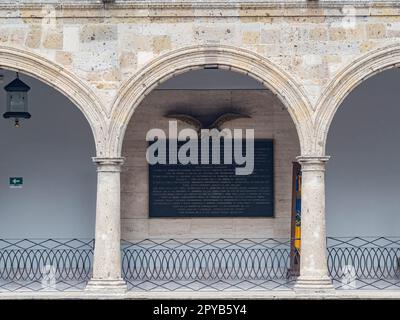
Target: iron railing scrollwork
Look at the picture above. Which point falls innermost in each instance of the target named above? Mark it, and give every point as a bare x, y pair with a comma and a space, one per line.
372, 262
50, 264
207, 264
197, 264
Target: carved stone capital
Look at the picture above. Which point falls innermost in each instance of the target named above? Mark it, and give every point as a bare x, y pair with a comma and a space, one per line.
108, 164
313, 163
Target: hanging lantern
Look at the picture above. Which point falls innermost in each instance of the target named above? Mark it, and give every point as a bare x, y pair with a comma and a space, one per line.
17, 100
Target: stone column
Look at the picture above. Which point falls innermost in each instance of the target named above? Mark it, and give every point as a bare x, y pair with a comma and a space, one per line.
313, 258
107, 251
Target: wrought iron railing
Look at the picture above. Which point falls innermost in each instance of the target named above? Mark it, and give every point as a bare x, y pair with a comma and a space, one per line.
199, 264
364, 262
206, 264
51, 264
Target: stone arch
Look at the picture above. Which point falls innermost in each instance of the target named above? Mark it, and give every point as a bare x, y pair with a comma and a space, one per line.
63, 81
348, 79
185, 59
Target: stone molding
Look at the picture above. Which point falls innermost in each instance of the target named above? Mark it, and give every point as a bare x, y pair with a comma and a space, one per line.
316, 285
238, 8
106, 286
108, 164
313, 163
135, 89
344, 82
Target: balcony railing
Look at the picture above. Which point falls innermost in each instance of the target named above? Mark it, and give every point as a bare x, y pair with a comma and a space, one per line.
364, 262
207, 264
197, 264
51, 264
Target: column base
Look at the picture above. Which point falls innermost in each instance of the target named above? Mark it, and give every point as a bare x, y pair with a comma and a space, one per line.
106, 286
314, 285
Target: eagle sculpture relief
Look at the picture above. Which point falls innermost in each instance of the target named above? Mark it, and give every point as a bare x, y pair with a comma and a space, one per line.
215, 124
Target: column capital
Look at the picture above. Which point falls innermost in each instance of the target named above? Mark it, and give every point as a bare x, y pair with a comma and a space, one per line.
313, 163
109, 164
313, 159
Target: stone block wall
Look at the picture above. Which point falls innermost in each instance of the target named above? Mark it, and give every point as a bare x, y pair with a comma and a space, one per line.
105, 47
269, 119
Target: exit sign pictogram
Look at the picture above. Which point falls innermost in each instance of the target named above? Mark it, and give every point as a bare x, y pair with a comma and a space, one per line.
16, 182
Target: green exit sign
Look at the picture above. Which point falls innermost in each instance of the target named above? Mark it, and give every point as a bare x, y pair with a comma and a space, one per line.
16, 182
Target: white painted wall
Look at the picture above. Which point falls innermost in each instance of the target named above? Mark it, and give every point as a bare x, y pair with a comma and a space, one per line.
363, 174
52, 151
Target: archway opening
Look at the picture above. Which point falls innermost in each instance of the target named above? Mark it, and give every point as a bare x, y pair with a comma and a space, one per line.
363, 173
48, 219
205, 94
52, 152
362, 179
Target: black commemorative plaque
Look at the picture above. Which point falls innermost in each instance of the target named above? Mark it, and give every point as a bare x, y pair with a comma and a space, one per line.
213, 190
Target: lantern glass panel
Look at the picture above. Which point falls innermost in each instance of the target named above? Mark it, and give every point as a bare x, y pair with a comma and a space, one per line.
17, 101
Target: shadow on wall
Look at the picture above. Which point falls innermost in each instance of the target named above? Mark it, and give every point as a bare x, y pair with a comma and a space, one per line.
363, 174
52, 152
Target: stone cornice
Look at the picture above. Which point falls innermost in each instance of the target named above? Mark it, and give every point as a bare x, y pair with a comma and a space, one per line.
146, 9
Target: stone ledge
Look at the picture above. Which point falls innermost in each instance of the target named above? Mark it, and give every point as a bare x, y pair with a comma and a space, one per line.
238, 8
179, 295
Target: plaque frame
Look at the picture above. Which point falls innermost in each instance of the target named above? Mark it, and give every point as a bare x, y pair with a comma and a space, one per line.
177, 216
